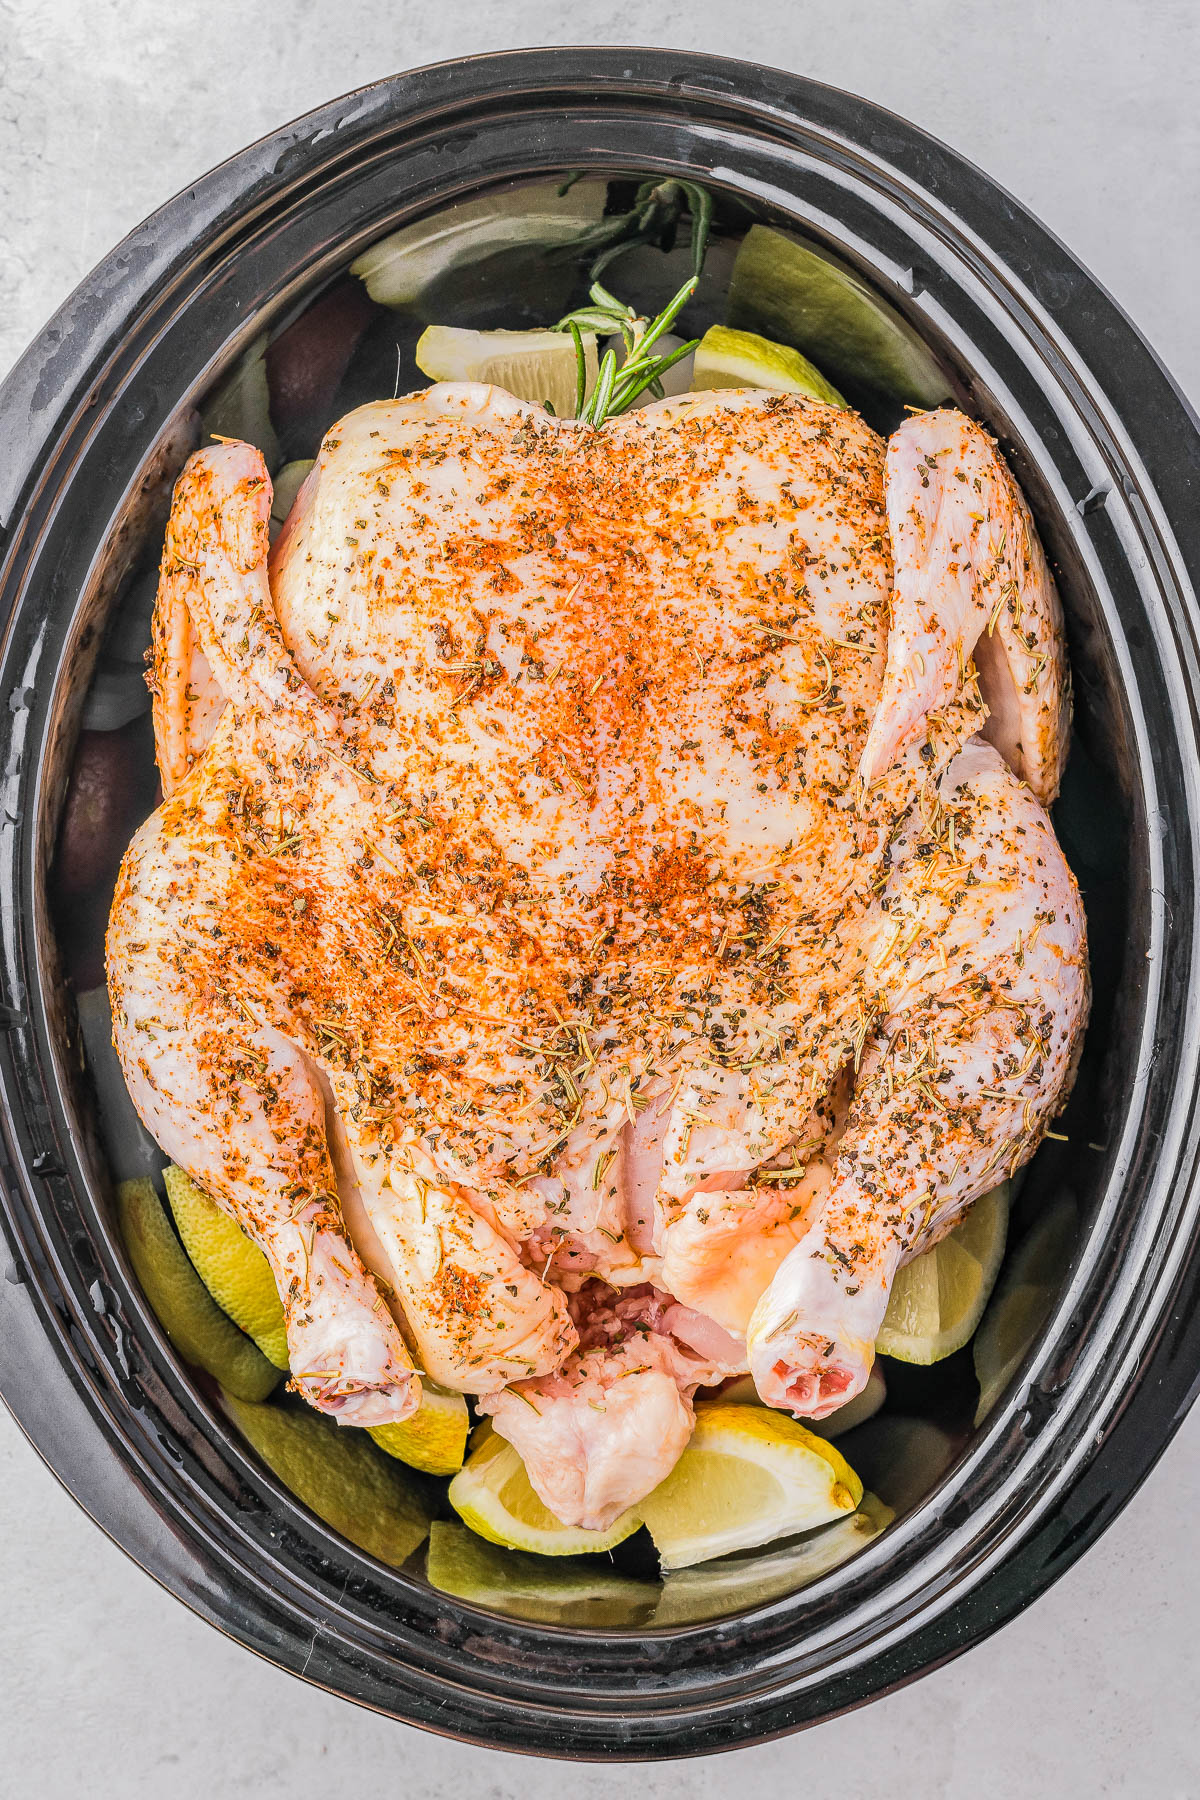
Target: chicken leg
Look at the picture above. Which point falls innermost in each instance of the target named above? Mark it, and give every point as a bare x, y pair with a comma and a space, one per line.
235, 1103
979, 1025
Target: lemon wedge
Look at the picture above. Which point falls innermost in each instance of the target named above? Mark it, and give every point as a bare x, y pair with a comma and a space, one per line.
401, 269
187, 1312
339, 1476
434, 1438
232, 1268
1023, 1302
539, 366
727, 359
750, 1474
565, 1592
937, 1300
781, 287
493, 1495
712, 1588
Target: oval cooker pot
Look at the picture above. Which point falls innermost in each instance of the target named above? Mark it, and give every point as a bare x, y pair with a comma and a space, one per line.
1107, 452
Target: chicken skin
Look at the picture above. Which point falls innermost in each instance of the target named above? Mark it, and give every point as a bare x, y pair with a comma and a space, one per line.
587, 940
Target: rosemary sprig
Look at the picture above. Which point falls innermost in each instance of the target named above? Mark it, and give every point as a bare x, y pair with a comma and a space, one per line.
700, 203
652, 378
653, 218
617, 389
580, 367
596, 409
606, 315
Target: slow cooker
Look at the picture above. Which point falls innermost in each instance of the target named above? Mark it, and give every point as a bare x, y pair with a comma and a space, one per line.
1005, 322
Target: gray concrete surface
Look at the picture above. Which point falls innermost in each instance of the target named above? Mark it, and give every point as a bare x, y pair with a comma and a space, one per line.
1088, 111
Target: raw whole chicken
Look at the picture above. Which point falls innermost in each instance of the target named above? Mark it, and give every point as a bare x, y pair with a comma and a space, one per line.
602, 918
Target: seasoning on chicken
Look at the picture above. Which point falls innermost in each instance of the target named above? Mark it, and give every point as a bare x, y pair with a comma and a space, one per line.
583, 885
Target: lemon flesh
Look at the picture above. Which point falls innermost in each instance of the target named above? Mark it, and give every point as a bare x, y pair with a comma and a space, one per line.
712, 1588
565, 1592
1023, 1303
185, 1309
339, 1475
732, 359
232, 1268
494, 1496
434, 1438
937, 1300
539, 366
749, 1475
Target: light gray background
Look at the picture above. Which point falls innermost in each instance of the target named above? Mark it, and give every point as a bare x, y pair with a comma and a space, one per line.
1089, 111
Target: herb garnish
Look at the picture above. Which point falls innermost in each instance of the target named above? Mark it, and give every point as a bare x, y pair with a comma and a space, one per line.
654, 217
